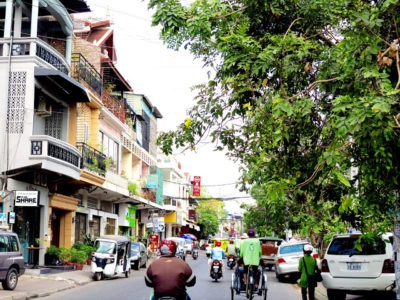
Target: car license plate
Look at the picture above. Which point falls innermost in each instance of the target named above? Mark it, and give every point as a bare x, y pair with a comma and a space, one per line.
354, 266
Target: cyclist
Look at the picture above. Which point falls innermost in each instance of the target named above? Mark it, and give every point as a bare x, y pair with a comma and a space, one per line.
169, 275
250, 252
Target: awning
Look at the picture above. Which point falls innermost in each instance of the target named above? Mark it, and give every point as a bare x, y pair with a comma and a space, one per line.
62, 85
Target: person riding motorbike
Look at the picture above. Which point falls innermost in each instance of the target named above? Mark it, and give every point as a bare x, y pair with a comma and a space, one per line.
169, 275
217, 253
231, 250
250, 252
231, 254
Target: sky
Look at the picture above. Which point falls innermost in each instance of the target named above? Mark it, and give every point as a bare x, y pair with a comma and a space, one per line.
165, 77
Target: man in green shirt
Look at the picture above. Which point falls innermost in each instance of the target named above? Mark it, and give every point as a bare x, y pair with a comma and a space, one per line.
250, 252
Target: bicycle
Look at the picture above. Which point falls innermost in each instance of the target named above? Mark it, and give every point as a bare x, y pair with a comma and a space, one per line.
237, 284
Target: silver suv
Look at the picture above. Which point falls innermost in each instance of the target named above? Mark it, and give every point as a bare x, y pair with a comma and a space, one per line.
11, 260
353, 266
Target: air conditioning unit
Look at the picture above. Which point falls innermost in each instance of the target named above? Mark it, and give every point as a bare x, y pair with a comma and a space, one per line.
44, 109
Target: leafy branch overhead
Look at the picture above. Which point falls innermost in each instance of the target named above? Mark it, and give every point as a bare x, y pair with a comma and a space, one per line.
304, 94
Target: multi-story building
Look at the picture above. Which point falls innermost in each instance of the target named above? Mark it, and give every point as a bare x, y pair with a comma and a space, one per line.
70, 155
180, 208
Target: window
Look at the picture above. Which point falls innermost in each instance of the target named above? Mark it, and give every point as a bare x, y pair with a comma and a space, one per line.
3, 243
110, 149
347, 246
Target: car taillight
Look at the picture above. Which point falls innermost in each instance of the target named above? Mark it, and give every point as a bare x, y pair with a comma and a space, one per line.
281, 260
324, 266
315, 255
388, 266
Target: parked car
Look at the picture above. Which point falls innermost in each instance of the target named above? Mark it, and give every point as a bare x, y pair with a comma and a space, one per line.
139, 255
349, 269
269, 247
11, 260
188, 246
287, 259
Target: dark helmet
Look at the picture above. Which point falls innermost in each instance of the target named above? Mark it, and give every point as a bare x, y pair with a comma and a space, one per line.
168, 248
217, 244
250, 232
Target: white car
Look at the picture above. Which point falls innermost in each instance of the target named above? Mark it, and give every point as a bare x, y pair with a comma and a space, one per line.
287, 259
346, 269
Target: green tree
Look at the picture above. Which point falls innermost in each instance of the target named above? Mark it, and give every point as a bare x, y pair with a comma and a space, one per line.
210, 213
305, 95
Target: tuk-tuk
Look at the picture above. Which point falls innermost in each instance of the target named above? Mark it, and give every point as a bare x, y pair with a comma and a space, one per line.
111, 257
269, 248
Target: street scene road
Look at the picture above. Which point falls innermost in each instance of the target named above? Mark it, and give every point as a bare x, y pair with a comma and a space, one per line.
205, 288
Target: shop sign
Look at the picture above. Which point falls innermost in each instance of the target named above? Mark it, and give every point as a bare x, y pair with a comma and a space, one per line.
27, 198
11, 217
196, 185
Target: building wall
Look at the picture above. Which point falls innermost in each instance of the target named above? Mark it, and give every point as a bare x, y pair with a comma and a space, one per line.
91, 52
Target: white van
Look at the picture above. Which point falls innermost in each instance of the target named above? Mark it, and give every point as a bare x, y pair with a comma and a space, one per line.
349, 269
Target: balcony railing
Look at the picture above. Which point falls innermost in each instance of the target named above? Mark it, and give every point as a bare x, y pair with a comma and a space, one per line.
55, 155
84, 72
34, 47
92, 159
116, 108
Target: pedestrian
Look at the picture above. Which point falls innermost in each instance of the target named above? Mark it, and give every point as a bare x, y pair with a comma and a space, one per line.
307, 266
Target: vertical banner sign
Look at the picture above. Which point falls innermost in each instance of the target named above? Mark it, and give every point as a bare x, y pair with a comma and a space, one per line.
196, 185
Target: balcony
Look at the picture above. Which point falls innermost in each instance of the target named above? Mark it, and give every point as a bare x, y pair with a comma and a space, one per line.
92, 159
55, 155
34, 47
85, 73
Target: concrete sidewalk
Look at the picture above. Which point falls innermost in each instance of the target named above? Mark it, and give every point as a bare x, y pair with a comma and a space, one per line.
33, 284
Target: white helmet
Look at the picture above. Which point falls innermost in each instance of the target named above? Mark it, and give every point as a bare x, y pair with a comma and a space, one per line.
308, 248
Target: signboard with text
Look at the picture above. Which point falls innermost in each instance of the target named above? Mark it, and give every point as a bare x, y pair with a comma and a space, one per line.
196, 185
27, 198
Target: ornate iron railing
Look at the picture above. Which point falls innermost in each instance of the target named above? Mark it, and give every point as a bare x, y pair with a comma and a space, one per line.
92, 159
84, 72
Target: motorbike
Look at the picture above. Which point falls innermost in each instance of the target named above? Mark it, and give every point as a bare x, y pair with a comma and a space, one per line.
111, 257
231, 261
195, 253
180, 253
216, 270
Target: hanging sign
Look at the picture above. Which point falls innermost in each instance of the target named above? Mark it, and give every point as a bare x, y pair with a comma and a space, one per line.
27, 198
196, 185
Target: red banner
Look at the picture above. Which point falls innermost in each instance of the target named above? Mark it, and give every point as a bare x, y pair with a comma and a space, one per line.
196, 185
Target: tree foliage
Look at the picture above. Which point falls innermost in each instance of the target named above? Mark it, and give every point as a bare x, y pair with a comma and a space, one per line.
305, 95
210, 213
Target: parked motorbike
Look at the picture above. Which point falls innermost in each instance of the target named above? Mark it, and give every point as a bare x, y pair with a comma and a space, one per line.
216, 270
195, 253
231, 261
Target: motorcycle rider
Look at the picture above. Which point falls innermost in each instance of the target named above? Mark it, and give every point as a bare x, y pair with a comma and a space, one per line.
169, 275
250, 251
231, 248
217, 253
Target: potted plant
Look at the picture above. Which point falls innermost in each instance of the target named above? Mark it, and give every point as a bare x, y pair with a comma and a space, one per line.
65, 255
51, 256
78, 257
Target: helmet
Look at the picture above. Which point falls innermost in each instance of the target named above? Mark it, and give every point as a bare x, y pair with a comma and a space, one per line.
168, 248
308, 248
217, 244
250, 232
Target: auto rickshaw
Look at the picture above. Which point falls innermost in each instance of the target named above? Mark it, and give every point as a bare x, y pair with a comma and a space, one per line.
111, 257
